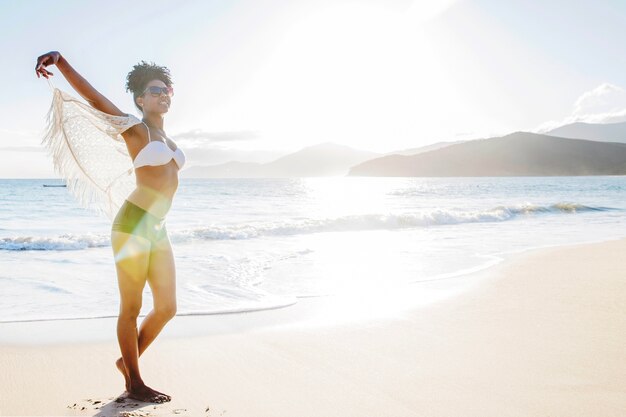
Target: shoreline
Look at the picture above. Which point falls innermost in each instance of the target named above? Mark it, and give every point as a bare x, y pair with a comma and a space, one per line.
541, 333
19, 332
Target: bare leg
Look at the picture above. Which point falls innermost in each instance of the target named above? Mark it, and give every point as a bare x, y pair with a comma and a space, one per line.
150, 328
127, 337
131, 261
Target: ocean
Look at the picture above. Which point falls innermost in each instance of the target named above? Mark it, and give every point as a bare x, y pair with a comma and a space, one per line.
254, 244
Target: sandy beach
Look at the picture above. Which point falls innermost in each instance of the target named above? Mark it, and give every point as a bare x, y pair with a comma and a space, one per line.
541, 334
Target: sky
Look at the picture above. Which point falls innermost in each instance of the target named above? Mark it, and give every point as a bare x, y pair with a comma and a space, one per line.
256, 79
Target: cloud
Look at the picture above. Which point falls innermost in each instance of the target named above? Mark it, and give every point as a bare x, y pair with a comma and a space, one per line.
12, 135
604, 104
22, 148
198, 137
605, 98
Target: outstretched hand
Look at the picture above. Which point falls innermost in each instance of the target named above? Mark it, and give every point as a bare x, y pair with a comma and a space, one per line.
44, 60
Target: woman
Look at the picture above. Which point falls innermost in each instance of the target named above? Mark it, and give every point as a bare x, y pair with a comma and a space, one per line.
141, 247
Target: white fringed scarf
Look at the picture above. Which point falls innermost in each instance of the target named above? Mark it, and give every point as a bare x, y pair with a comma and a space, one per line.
89, 153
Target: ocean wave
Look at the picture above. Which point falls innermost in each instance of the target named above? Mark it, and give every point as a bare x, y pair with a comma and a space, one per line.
62, 242
390, 221
554, 208
357, 222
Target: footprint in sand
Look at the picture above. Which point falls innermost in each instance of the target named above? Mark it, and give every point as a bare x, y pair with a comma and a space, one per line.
117, 405
136, 413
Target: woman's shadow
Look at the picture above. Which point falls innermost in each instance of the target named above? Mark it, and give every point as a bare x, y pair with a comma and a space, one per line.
123, 406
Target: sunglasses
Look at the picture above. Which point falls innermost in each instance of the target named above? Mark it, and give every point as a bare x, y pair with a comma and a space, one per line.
156, 91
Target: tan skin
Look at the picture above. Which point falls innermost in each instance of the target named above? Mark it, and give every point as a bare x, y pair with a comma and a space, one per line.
135, 261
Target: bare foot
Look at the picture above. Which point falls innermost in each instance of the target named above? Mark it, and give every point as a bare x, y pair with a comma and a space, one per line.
147, 394
120, 365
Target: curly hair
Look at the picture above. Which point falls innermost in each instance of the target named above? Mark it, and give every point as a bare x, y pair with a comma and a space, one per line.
141, 75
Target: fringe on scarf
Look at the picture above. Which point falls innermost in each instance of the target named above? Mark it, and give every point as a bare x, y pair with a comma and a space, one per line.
103, 196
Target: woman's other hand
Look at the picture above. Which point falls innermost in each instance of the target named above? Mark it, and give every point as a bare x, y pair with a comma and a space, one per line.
44, 60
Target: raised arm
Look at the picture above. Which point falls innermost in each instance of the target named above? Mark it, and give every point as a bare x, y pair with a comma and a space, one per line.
86, 90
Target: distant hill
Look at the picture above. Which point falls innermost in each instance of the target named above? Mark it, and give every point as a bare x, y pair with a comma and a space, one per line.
431, 147
607, 132
325, 159
516, 154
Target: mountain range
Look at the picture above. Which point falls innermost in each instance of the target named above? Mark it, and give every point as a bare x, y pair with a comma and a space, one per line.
516, 154
325, 159
605, 132
574, 149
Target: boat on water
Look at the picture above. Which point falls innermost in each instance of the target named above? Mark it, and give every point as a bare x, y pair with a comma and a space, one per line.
55, 185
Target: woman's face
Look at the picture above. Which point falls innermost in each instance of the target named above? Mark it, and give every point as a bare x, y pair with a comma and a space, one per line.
154, 104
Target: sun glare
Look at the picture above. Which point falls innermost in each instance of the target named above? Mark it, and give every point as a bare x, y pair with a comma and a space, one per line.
352, 73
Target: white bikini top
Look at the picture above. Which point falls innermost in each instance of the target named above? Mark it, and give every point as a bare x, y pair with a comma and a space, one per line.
158, 153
